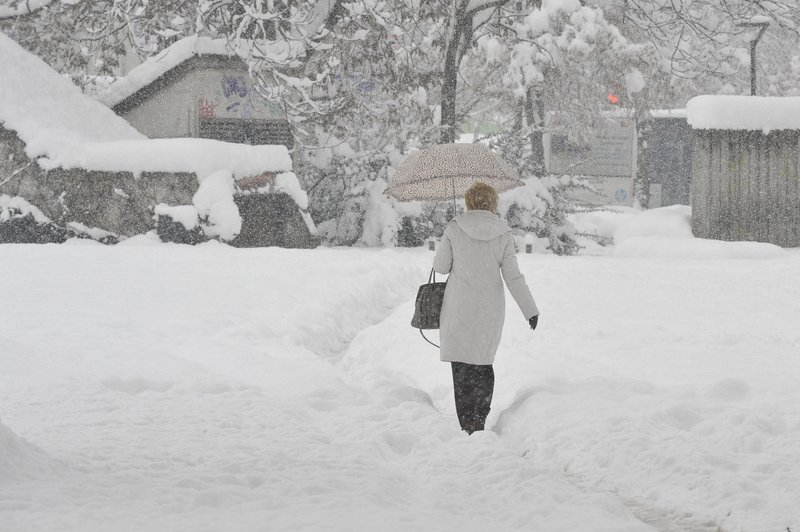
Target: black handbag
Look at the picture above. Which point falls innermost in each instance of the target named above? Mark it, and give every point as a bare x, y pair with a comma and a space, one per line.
428, 306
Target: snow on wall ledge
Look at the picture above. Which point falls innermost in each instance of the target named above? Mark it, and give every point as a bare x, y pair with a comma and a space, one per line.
744, 113
200, 156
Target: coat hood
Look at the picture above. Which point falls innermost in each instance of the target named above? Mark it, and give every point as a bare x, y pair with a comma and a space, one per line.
481, 225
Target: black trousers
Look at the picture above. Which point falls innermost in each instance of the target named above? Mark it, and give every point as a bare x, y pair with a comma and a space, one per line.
473, 386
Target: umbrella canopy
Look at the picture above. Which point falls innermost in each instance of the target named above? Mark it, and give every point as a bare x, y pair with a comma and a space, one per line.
446, 171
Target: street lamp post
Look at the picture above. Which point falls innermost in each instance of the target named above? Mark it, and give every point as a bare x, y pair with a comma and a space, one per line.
762, 25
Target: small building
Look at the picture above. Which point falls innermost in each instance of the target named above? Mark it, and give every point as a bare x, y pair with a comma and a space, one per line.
608, 158
198, 87
76, 163
746, 168
668, 157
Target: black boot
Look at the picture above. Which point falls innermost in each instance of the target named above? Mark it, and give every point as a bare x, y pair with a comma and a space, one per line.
469, 428
473, 386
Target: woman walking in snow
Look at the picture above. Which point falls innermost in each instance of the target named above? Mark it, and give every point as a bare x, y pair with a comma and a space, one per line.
475, 249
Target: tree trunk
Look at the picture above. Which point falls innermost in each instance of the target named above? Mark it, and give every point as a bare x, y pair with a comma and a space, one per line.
534, 115
462, 32
449, 87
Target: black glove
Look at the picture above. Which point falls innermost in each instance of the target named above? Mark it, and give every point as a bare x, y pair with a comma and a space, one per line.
533, 322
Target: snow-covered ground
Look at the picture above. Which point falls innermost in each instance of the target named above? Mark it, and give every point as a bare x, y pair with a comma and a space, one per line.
167, 388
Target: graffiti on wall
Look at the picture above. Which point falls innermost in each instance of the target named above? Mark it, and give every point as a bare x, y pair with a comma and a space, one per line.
233, 86
206, 108
230, 95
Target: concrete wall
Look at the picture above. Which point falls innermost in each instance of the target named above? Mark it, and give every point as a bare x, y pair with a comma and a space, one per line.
114, 201
122, 204
746, 186
14, 162
209, 89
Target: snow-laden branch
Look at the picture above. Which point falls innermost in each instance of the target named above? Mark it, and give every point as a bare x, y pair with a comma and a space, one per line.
475, 6
15, 173
16, 8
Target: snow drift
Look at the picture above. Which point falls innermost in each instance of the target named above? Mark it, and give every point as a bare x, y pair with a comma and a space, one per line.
666, 233
20, 458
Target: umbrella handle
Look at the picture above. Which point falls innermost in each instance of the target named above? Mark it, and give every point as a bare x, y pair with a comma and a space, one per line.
453, 181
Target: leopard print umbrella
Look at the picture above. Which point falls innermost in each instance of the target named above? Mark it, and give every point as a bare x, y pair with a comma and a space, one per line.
445, 171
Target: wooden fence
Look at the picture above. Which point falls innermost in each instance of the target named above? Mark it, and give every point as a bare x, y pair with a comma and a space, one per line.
746, 186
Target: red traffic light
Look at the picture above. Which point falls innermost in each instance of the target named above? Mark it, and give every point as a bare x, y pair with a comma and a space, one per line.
613, 98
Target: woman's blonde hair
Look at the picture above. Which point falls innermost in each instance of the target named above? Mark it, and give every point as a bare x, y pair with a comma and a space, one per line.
481, 196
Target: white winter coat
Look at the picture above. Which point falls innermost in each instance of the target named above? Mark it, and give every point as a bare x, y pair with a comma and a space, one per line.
475, 248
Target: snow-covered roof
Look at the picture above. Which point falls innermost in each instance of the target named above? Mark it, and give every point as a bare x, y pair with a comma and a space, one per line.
668, 113
48, 112
155, 67
63, 128
750, 113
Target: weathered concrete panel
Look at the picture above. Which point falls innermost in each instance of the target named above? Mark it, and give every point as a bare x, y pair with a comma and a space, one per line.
113, 201
271, 220
746, 186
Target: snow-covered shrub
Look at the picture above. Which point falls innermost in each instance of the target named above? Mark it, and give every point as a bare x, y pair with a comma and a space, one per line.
216, 208
24, 229
346, 193
22, 223
179, 224
409, 235
428, 223
542, 205
212, 215
540, 208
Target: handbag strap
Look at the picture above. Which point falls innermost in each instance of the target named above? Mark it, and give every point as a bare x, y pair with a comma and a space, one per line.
426, 339
431, 277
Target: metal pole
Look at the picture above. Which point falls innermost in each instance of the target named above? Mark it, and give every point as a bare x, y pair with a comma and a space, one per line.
753, 44
753, 67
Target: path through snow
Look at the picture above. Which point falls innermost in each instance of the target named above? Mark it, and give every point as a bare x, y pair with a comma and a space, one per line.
173, 388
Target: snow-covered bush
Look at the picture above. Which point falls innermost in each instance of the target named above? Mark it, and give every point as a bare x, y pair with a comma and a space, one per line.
178, 224
23, 223
356, 211
216, 208
24, 229
542, 205
347, 199
212, 215
429, 222
350, 200
540, 208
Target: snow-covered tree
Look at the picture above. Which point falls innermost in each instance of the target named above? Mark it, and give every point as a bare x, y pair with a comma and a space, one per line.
703, 44
558, 63
364, 82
